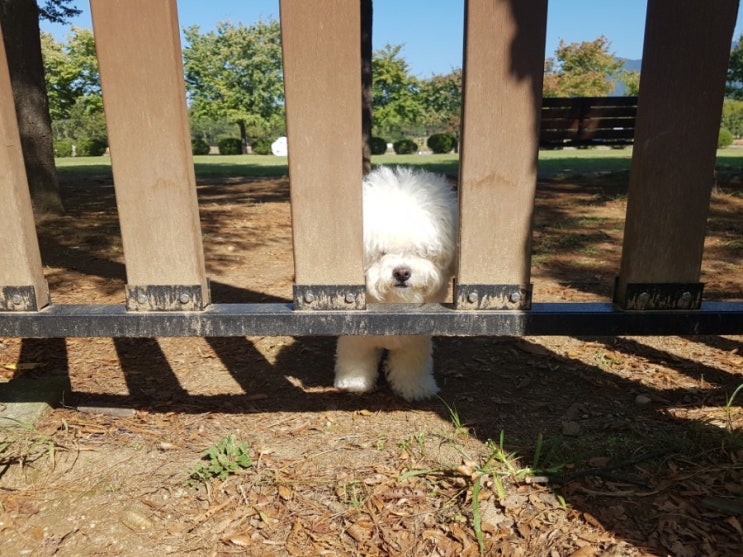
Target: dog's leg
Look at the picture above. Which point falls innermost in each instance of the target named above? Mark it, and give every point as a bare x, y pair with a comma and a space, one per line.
410, 368
356, 364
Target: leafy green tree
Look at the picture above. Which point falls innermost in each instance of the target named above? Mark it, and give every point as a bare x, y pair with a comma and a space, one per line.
73, 80
22, 37
582, 70
734, 85
234, 73
396, 99
441, 96
732, 116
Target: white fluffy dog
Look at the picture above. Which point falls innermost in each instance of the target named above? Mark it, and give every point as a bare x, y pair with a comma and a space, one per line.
410, 239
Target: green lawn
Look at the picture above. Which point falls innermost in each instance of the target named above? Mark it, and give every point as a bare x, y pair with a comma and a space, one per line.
567, 162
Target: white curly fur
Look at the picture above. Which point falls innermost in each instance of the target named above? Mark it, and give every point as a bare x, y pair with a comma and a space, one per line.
410, 226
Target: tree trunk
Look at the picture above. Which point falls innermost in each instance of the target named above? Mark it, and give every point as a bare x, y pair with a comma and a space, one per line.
366, 82
20, 30
243, 136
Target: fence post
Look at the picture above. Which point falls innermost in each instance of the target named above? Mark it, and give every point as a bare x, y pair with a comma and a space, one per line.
140, 58
22, 283
322, 79
684, 64
503, 73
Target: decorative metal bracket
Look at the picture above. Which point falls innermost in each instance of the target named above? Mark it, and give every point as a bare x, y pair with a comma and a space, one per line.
492, 296
165, 298
19, 298
329, 297
648, 296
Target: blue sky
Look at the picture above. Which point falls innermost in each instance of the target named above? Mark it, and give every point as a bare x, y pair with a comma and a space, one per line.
431, 33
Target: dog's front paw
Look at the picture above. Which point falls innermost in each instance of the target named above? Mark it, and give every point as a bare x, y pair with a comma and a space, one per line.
355, 383
421, 388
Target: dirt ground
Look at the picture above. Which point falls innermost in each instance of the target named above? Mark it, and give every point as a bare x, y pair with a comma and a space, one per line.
538, 446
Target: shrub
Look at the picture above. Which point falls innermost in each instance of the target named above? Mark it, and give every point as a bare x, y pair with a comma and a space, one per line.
378, 146
405, 146
724, 139
261, 147
199, 147
63, 148
230, 146
90, 147
441, 143
732, 116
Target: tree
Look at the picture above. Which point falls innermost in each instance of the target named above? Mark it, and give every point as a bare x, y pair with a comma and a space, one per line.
734, 85
442, 102
20, 28
583, 69
73, 85
395, 92
234, 73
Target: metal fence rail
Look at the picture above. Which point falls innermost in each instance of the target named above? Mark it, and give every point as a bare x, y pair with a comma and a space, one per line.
225, 320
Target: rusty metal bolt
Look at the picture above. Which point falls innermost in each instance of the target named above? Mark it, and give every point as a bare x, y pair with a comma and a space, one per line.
17, 299
350, 297
184, 298
472, 297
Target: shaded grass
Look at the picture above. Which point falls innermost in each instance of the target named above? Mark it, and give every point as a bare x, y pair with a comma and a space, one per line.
563, 163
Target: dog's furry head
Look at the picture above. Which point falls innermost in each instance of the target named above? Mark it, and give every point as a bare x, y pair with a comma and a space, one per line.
410, 235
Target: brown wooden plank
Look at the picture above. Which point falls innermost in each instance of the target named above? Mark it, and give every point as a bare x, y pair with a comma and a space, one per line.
139, 51
590, 101
685, 59
322, 80
20, 259
503, 71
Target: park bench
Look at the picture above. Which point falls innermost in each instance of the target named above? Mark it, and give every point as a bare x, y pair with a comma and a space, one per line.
587, 121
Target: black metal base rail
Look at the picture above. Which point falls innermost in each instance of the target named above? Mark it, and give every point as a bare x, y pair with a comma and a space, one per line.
225, 320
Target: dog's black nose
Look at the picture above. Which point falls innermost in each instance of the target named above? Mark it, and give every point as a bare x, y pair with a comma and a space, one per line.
401, 273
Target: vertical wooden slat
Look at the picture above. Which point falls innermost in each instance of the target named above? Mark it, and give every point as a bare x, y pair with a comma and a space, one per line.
322, 78
684, 63
22, 283
503, 73
139, 52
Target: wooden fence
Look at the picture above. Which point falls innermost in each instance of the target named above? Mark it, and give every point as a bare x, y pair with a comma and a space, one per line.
167, 294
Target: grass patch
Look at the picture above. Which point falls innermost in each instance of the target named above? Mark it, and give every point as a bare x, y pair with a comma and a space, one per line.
563, 163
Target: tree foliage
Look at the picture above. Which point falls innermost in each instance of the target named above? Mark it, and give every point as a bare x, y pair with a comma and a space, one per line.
734, 85
234, 73
732, 116
73, 86
395, 92
58, 11
441, 96
583, 69
71, 70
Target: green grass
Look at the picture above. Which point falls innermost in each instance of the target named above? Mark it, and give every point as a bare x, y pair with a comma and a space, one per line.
559, 163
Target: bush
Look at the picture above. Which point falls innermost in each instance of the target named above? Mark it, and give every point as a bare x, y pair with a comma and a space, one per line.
378, 146
441, 143
199, 147
405, 146
90, 147
732, 116
261, 147
725, 138
230, 146
63, 148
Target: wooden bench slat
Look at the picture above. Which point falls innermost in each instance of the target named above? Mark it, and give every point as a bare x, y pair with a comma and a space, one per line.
582, 121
